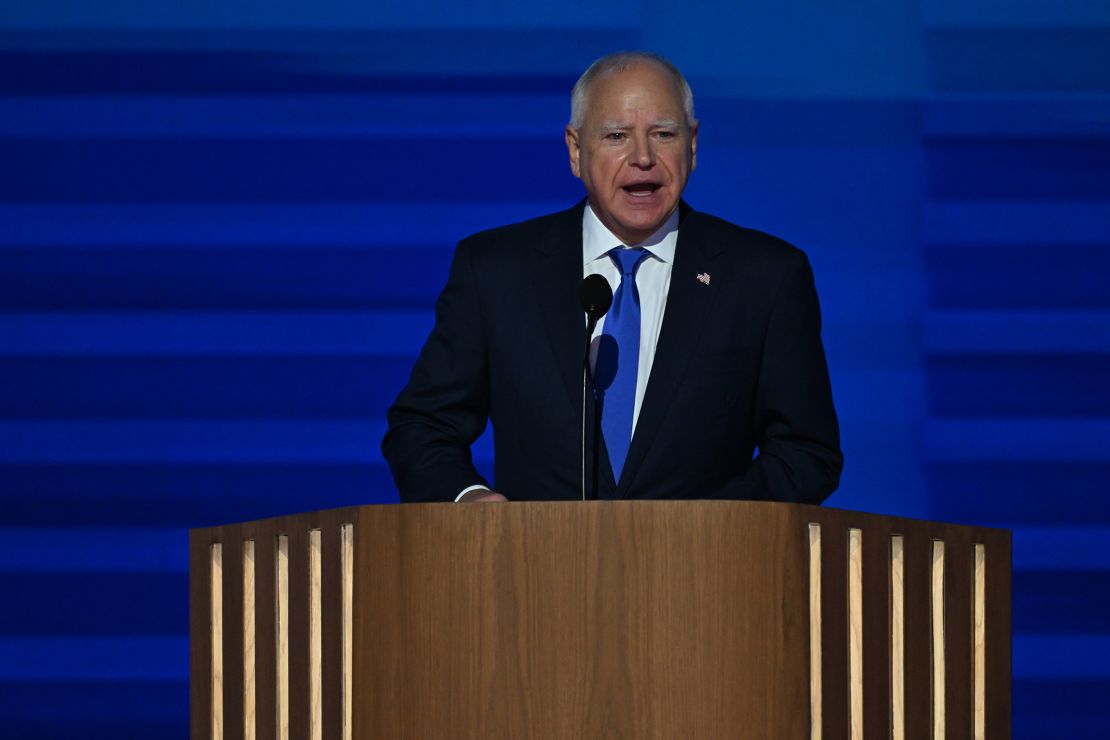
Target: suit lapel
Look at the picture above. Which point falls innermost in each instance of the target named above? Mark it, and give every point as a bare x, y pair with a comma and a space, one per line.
689, 300
556, 274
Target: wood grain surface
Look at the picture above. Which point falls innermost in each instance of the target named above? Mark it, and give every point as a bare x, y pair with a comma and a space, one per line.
569, 620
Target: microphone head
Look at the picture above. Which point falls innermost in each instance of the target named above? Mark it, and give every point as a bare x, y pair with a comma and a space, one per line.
596, 296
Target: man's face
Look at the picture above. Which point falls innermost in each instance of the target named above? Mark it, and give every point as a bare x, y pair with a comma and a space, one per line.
634, 151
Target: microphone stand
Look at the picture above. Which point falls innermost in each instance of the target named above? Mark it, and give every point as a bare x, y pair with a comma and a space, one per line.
591, 324
596, 297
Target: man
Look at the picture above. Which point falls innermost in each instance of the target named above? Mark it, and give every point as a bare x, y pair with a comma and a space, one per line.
719, 327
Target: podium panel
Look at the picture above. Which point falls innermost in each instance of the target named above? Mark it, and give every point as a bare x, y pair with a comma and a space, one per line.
631, 619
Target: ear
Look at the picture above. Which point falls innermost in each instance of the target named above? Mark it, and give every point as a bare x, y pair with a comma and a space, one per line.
694, 146
574, 149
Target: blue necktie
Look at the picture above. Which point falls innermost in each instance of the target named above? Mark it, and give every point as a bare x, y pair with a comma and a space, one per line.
618, 359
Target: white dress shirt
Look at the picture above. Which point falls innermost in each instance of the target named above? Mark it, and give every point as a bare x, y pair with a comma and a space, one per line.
653, 282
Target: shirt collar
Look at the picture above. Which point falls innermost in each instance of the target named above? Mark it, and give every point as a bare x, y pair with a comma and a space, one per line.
597, 240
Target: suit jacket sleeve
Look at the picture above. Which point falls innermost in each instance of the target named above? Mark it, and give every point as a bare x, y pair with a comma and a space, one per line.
444, 407
798, 435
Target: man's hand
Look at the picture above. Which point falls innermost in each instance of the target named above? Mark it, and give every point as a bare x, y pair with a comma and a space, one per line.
481, 496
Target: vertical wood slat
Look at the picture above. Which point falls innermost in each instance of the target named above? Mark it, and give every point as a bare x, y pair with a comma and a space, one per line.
281, 624
979, 663
216, 627
348, 599
249, 638
200, 634
814, 631
897, 639
936, 619
315, 636
855, 633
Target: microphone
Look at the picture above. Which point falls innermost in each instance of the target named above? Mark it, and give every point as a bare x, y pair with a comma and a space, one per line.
596, 297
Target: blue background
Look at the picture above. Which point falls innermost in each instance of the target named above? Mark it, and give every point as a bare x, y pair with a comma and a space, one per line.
223, 226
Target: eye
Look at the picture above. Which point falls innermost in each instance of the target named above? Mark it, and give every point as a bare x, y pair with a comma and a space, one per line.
615, 136
665, 135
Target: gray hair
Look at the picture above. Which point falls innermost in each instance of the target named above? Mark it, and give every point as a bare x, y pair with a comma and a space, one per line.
619, 62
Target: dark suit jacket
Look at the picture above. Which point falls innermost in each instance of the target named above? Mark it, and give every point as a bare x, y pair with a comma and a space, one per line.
739, 365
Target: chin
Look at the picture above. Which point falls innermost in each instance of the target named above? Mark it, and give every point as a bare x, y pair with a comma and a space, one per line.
644, 222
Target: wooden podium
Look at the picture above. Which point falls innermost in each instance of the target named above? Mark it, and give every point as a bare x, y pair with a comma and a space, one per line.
611, 619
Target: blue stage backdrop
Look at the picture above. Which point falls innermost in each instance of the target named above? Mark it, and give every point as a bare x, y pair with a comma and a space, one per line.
223, 227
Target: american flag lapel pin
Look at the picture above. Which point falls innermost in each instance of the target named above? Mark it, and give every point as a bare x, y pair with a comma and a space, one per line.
703, 278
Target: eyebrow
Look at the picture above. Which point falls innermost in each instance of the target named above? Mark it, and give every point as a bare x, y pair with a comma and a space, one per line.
621, 125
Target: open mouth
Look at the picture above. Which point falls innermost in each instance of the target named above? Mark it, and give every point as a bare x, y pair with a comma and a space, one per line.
641, 189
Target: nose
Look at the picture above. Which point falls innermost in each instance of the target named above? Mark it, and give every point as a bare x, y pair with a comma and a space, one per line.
643, 155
